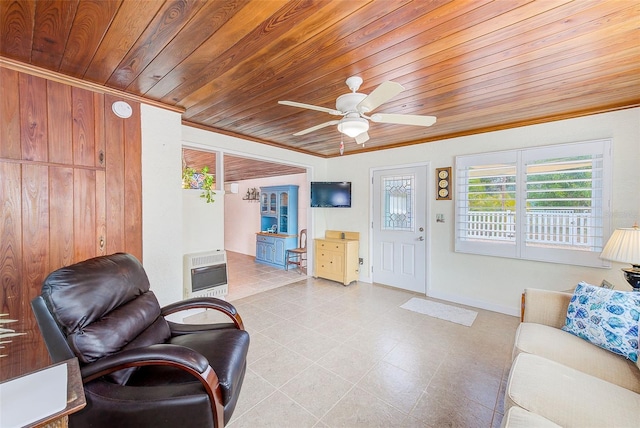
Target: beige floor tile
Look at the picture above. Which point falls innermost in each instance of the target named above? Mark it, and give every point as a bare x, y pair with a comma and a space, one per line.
394, 385
481, 358
310, 319
285, 331
348, 363
313, 345
339, 329
361, 409
500, 401
438, 408
334, 308
422, 362
324, 355
260, 346
279, 366
258, 320
254, 390
372, 343
287, 309
317, 389
466, 382
276, 411
497, 420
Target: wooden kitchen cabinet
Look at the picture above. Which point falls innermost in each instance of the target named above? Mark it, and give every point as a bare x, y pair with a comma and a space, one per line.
279, 209
336, 256
271, 248
278, 224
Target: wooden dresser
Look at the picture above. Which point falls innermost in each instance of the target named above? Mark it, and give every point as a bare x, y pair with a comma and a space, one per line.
336, 256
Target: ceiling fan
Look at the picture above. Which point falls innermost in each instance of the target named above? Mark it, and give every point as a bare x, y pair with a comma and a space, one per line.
354, 108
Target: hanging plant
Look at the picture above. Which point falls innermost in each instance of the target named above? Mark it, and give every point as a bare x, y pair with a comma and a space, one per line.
192, 179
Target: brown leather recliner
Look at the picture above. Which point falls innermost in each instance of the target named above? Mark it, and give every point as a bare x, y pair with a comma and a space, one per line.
139, 369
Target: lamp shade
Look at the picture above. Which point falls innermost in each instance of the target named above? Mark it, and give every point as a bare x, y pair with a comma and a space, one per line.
623, 246
353, 126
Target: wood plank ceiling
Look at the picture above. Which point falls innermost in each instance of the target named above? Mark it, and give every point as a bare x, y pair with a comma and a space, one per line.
237, 168
477, 65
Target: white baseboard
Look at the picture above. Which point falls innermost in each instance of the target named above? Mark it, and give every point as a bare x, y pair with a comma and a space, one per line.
365, 279
454, 298
463, 300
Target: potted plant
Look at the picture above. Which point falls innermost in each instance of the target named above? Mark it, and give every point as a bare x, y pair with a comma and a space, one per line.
192, 179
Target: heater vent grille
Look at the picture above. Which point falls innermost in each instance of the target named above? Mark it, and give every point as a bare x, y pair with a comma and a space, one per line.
205, 274
207, 259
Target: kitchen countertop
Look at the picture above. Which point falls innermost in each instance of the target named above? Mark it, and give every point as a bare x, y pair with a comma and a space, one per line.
277, 235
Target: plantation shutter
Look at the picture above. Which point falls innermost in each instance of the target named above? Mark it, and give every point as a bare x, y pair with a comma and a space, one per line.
547, 203
486, 204
565, 197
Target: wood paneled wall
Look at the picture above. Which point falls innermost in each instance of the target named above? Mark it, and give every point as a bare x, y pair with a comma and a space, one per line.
70, 189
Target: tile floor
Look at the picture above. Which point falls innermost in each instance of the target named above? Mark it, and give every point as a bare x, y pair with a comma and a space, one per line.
326, 355
246, 277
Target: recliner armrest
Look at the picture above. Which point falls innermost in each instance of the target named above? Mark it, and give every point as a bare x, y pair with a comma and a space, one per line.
160, 354
164, 354
205, 303
546, 307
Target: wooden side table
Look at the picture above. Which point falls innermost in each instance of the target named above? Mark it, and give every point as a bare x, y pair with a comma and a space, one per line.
336, 256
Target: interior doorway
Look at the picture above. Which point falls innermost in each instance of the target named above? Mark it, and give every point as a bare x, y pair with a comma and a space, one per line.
239, 217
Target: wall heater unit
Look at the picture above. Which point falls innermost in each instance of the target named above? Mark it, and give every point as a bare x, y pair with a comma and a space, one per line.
205, 274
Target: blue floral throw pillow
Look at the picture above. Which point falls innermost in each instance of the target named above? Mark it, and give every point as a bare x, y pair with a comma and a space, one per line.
606, 318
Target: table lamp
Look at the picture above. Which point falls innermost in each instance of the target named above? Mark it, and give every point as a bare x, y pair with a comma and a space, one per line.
624, 247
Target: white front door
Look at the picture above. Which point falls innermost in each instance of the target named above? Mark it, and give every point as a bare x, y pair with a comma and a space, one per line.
399, 227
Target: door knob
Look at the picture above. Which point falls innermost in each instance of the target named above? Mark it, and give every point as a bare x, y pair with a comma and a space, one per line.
421, 238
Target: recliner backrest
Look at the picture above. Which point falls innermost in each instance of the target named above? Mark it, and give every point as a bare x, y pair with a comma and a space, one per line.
56, 342
103, 305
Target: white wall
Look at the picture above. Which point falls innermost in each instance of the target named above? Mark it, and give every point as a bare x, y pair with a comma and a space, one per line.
161, 202
198, 138
165, 236
242, 218
491, 282
202, 223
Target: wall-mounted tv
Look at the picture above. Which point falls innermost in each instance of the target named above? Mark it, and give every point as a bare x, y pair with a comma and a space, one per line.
334, 194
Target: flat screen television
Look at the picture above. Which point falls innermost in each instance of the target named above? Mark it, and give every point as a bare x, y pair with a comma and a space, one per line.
334, 194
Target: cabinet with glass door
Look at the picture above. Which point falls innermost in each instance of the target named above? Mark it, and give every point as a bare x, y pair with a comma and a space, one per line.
278, 224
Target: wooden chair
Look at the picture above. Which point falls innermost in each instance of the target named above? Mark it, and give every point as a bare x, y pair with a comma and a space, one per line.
298, 256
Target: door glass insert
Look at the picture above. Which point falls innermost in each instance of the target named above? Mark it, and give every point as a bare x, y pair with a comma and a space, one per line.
284, 213
272, 202
399, 202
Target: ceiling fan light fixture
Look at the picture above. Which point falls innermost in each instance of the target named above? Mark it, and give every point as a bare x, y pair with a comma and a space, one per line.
352, 127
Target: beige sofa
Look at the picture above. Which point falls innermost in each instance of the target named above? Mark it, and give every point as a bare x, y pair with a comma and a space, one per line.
558, 379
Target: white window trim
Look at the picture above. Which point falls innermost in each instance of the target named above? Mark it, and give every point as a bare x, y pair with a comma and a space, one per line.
518, 249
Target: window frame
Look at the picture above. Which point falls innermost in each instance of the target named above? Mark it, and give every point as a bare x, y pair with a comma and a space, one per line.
520, 158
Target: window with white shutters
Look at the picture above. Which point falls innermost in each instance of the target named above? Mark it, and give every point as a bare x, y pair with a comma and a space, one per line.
546, 203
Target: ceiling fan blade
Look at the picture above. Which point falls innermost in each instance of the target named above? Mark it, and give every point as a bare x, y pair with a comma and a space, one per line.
379, 95
311, 107
362, 138
315, 128
404, 119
